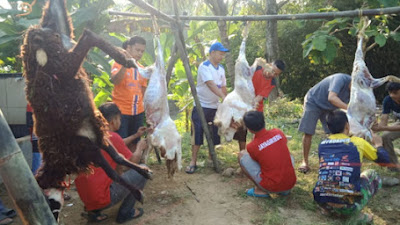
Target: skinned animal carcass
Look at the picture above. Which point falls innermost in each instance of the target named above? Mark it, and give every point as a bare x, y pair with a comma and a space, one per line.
165, 135
362, 106
241, 99
70, 130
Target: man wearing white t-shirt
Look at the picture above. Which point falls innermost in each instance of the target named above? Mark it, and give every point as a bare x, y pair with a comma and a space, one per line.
211, 86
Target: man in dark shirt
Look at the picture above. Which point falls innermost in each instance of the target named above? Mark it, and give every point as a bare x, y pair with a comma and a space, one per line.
331, 93
391, 103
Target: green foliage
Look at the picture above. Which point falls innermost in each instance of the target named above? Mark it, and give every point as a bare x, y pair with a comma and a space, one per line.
321, 46
102, 88
283, 107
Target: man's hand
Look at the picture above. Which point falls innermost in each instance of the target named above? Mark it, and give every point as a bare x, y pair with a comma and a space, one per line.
141, 131
257, 100
377, 127
267, 74
235, 125
377, 140
141, 146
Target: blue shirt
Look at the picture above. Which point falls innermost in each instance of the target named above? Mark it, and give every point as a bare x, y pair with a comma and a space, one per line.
338, 83
390, 105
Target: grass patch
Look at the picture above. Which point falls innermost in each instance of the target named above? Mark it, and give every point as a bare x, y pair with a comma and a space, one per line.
299, 207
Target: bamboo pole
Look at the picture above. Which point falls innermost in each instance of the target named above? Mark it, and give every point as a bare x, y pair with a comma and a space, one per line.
180, 43
301, 16
152, 10
19, 181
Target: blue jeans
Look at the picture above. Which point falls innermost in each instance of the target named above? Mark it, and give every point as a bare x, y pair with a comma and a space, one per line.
119, 192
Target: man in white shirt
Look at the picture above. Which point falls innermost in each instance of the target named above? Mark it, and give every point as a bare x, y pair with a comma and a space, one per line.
211, 86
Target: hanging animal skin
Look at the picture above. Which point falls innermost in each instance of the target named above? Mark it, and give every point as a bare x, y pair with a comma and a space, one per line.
70, 129
362, 105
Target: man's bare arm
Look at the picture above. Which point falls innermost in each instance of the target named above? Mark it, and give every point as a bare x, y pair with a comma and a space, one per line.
213, 87
119, 76
336, 101
135, 158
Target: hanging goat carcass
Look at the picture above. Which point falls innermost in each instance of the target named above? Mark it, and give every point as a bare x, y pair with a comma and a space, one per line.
362, 105
70, 129
241, 99
165, 136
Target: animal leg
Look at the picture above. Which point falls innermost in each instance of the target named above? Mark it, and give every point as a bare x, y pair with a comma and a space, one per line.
144, 171
89, 40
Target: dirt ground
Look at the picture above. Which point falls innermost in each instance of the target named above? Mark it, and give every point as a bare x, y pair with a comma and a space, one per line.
171, 201
221, 200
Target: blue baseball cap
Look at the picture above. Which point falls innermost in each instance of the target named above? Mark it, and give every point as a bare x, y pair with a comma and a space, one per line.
218, 47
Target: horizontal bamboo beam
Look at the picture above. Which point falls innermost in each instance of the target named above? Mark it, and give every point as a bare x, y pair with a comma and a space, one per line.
301, 16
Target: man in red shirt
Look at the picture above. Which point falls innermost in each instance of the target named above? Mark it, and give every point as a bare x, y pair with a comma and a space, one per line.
267, 161
97, 191
264, 82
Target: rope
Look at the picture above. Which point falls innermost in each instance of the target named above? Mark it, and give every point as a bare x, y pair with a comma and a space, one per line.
26, 7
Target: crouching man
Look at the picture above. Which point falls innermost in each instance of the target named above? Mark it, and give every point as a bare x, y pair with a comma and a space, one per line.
341, 190
97, 191
267, 161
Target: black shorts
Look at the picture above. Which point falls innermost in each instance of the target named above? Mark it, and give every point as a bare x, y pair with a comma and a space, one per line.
130, 125
197, 129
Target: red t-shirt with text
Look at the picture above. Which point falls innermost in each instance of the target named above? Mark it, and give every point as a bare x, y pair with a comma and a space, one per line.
270, 150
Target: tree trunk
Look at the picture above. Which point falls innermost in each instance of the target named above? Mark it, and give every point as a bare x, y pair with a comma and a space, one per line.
272, 48
219, 8
19, 181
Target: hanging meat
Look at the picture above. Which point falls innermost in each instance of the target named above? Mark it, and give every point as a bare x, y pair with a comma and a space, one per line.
241, 99
165, 135
70, 130
362, 105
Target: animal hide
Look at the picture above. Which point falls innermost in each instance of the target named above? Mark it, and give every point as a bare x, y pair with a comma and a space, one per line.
362, 105
165, 135
241, 99
71, 131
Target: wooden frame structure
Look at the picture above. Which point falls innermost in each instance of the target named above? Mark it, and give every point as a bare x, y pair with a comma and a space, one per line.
31, 205
300, 16
176, 24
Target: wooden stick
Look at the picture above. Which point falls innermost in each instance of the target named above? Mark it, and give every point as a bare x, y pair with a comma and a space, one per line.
19, 181
180, 43
152, 10
193, 193
300, 16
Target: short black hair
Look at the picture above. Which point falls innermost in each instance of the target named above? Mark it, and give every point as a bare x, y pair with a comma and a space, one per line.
336, 121
280, 64
133, 40
392, 86
109, 110
254, 120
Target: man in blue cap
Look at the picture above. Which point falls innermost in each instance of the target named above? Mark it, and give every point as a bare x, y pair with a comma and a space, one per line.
211, 87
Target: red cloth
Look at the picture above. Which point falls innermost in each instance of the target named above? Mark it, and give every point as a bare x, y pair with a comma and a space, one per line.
29, 108
270, 150
262, 87
94, 189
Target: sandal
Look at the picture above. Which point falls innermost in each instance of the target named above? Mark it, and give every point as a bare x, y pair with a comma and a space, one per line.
251, 192
132, 215
304, 169
10, 213
5, 220
191, 169
94, 216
